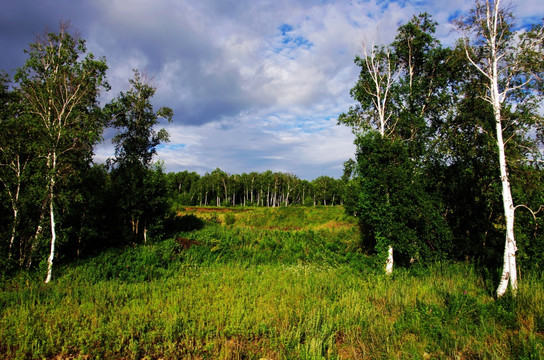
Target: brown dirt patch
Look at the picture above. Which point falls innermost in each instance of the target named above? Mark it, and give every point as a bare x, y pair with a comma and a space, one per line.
185, 243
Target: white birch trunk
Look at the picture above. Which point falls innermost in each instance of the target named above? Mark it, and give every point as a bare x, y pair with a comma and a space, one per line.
53, 231
490, 18
509, 272
14, 198
13, 231
15, 207
389, 261
145, 234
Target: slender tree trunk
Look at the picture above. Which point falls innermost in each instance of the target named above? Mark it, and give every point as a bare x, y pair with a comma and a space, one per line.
13, 231
275, 196
509, 272
389, 261
15, 207
145, 234
246, 194
27, 258
14, 198
52, 218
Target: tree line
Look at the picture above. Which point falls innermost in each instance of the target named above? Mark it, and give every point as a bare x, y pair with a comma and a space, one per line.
448, 143
268, 189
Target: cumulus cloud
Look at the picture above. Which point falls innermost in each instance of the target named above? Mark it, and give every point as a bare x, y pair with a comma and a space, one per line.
254, 85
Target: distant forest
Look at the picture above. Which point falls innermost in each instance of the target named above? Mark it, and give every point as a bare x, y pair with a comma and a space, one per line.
270, 189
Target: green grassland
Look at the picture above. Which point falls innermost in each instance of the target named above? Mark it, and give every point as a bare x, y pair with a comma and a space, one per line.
283, 283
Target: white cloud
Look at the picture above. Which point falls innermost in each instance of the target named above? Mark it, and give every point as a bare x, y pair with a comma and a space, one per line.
245, 95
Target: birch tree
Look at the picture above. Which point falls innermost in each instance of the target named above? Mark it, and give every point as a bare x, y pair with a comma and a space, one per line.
511, 64
136, 141
373, 92
60, 84
14, 156
402, 89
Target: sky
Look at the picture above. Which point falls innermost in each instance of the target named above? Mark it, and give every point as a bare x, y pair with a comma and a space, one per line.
254, 85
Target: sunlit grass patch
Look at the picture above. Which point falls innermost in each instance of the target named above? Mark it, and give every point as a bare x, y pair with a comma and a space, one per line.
248, 292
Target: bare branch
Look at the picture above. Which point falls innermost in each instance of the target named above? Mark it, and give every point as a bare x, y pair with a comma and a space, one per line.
534, 213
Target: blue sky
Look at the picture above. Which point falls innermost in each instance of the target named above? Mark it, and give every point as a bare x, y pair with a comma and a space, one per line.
254, 85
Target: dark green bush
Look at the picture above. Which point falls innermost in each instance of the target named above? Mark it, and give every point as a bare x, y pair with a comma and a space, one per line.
190, 222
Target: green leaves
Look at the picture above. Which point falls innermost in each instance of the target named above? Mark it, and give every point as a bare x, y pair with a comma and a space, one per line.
132, 113
394, 205
140, 191
56, 108
427, 168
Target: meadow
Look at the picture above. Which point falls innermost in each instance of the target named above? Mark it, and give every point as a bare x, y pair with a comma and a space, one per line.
282, 283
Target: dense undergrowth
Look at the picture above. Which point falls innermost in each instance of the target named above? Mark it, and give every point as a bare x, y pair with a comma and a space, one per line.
290, 285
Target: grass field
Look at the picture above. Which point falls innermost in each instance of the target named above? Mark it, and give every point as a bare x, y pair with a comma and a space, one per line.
272, 284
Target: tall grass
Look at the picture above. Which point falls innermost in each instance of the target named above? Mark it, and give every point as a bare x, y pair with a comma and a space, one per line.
253, 293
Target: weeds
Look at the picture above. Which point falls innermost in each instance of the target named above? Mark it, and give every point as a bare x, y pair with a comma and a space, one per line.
229, 292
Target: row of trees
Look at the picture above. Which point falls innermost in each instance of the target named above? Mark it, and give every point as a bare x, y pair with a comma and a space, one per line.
52, 195
270, 189
447, 137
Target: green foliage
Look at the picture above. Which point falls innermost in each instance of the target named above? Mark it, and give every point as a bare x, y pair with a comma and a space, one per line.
394, 205
58, 64
266, 189
54, 103
431, 186
189, 222
294, 218
250, 247
140, 190
133, 113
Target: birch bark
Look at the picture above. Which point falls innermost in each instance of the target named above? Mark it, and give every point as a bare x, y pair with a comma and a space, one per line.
53, 229
59, 87
506, 67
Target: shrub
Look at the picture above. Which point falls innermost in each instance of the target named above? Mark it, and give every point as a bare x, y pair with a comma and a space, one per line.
189, 222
